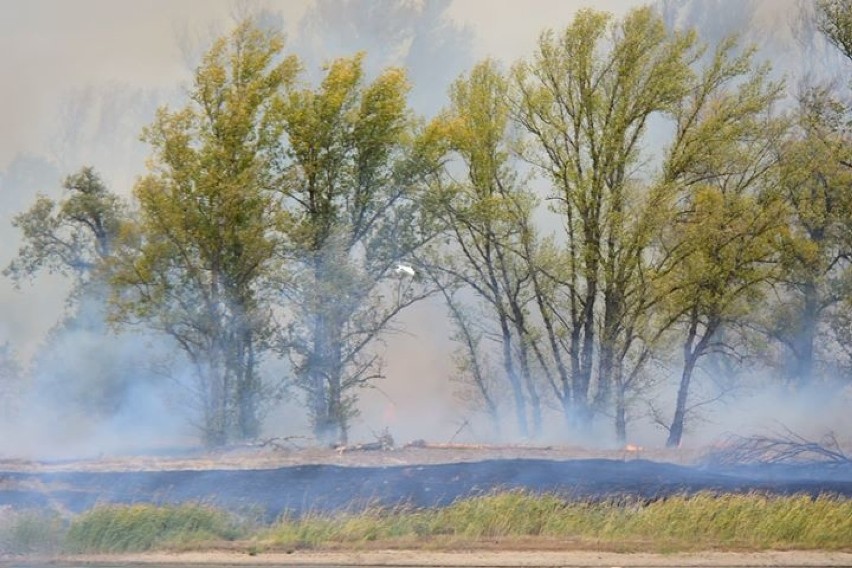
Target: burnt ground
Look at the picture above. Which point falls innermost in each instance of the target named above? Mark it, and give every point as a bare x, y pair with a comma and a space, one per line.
288, 485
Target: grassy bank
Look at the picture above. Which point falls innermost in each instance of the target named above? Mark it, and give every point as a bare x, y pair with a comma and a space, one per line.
514, 519
703, 521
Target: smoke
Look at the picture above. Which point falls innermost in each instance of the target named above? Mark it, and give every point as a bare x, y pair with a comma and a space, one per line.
86, 77
782, 32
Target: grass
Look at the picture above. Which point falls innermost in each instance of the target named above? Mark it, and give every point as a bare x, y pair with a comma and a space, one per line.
136, 528
703, 521
509, 520
28, 532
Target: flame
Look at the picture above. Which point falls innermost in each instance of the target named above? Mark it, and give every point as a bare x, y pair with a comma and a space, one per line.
389, 413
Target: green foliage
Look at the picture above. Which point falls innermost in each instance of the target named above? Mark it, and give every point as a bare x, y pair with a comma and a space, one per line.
815, 271
350, 182
75, 236
488, 220
585, 100
274, 212
834, 19
136, 528
193, 265
71, 236
719, 182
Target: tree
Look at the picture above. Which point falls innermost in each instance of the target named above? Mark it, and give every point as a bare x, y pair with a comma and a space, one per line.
815, 254
81, 367
488, 220
349, 185
71, 237
193, 264
834, 20
585, 101
719, 254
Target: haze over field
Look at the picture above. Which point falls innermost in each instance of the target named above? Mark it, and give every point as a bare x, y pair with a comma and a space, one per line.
83, 78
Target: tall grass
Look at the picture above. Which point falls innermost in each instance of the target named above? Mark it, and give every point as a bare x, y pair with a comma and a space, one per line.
699, 522
134, 528
702, 521
28, 532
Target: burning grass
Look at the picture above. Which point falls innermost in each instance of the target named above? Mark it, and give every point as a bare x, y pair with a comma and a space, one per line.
514, 519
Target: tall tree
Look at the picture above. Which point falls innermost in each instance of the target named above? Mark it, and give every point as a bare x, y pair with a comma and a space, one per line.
349, 183
585, 100
488, 220
192, 266
815, 275
719, 253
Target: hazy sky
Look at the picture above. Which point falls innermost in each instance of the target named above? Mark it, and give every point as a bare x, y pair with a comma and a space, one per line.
49, 47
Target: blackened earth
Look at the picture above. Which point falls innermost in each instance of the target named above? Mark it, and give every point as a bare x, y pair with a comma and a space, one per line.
324, 488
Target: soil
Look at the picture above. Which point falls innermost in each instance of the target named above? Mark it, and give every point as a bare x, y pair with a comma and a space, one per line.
467, 559
275, 481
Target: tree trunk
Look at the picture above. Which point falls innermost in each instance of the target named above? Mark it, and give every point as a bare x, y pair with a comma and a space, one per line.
564, 395
620, 405
692, 352
583, 375
676, 428
337, 412
532, 391
620, 416
316, 374
514, 379
248, 387
215, 409
805, 339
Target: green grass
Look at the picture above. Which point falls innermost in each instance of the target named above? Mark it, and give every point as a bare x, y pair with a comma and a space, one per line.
510, 519
28, 532
702, 521
135, 528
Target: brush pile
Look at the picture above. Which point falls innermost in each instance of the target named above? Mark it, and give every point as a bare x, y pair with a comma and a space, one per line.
786, 447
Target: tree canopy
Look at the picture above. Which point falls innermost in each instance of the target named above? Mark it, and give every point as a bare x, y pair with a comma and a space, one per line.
624, 212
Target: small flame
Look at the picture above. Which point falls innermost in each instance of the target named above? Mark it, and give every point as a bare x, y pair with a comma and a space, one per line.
389, 413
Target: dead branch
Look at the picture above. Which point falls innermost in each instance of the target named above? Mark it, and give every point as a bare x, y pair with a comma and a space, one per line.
384, 442
786, 447
285, 443
464, 424
422, 444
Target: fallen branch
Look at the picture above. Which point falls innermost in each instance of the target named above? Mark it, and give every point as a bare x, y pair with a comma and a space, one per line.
454, 446
280, 443
384, 442
784, 448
